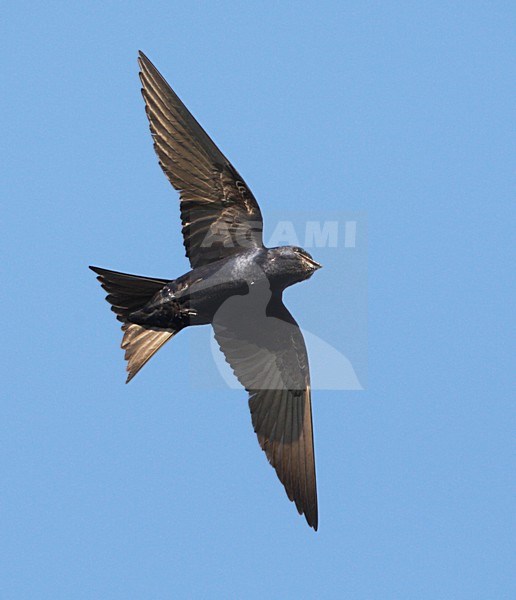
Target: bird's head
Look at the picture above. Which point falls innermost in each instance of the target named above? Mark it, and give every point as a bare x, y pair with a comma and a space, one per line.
291, 264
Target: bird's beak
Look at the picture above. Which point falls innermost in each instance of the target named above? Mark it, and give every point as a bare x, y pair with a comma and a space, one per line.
313, 263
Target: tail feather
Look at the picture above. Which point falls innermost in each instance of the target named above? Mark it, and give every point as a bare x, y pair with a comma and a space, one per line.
126, 294
140, 344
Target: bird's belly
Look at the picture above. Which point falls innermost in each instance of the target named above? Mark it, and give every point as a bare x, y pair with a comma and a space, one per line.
204, 301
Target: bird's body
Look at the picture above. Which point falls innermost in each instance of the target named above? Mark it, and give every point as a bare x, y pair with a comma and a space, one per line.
235, 285
195, 297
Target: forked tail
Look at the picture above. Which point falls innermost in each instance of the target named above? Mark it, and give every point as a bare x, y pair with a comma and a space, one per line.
126, 294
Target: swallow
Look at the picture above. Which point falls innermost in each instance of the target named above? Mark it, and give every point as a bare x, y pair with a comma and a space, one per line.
235, 285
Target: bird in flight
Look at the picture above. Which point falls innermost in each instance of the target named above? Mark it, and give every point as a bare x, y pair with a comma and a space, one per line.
235, 284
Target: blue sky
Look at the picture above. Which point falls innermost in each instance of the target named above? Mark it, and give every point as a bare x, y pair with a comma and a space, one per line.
400, 111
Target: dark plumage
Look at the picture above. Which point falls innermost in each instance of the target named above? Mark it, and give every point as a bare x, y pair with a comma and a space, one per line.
235, 284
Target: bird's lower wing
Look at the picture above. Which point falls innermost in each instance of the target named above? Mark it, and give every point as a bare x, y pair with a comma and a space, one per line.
268, 356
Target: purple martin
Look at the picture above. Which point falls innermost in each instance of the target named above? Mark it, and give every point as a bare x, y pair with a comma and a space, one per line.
235, 284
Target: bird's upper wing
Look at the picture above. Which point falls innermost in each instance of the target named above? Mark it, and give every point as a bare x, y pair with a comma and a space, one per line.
268, 356
219, 212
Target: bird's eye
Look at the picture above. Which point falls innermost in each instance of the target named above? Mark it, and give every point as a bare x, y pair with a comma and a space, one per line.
300, 252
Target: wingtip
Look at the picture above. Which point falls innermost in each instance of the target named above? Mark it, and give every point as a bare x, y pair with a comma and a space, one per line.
312, 520
143, 59
98, 271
